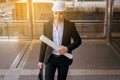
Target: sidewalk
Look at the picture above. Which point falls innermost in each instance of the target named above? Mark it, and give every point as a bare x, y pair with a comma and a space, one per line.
93, 60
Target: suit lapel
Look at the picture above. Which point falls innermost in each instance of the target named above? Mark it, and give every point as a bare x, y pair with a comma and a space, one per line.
51, 31
64, 32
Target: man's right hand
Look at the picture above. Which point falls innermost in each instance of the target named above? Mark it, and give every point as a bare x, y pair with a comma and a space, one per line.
40, 64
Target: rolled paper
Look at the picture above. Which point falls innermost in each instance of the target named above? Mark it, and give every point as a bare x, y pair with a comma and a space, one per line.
53, 45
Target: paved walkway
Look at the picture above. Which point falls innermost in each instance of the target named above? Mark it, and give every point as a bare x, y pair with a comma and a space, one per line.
93, 60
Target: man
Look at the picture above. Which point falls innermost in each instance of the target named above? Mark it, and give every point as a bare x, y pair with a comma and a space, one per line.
60, 31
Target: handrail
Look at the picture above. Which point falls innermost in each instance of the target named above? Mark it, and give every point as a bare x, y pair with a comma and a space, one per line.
80, 21
43, 21
8, 21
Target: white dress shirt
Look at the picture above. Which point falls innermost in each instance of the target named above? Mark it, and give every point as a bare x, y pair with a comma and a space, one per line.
57, 36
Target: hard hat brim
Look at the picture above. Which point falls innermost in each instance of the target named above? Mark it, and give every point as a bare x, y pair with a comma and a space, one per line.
58, 10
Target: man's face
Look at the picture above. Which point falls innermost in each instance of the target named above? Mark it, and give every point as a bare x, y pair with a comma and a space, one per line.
58, 16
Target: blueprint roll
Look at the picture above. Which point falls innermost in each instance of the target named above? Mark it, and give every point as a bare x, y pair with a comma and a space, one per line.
53, 45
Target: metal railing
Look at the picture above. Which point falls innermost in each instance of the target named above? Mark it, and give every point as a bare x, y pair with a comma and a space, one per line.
86, 28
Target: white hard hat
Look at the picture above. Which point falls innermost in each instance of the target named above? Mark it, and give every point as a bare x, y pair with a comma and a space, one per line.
59, 6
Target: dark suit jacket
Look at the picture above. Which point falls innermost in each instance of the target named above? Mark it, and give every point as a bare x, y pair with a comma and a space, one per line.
69, 33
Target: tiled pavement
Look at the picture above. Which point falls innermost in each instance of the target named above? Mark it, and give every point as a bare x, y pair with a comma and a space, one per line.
93, 60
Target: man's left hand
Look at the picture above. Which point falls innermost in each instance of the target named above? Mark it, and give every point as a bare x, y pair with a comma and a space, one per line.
63, 50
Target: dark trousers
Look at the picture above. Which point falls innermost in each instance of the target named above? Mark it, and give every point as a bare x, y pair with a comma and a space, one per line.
60, 63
